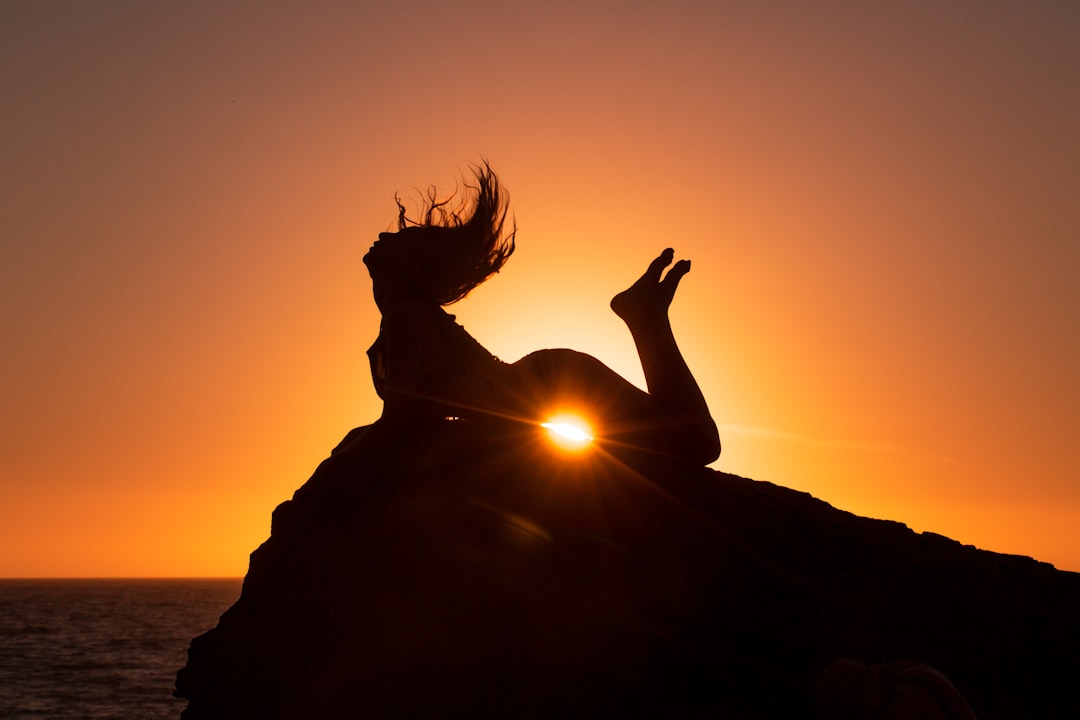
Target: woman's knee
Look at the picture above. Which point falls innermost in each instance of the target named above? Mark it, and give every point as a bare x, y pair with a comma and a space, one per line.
701, 446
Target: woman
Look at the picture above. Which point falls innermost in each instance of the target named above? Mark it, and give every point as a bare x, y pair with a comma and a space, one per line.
426, 368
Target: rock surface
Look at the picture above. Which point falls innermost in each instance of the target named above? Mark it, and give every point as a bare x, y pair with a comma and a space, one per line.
475, 572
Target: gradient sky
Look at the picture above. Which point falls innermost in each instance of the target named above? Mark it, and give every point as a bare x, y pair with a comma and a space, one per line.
879, 199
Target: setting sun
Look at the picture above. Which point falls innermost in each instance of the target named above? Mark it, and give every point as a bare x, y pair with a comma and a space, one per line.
568, 432
896, 341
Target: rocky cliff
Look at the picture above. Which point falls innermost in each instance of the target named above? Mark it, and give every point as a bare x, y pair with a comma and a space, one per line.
470, 571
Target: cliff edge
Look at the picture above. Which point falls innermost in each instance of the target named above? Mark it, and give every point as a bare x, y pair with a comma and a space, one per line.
472, 571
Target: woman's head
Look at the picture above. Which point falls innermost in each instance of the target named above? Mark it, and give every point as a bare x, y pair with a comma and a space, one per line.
450, 248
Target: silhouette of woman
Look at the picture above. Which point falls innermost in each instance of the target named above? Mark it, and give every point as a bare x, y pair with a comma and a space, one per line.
426, 368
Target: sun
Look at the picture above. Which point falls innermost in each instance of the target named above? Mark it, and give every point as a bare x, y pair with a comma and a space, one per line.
568, 432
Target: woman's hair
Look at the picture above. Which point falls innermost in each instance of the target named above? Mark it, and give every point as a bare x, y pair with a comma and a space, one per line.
467, 241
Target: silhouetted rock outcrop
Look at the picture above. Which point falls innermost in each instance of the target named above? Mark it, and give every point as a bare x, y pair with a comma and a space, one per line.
474, 572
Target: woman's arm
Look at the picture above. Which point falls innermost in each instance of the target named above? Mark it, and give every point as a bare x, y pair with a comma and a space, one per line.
409, 332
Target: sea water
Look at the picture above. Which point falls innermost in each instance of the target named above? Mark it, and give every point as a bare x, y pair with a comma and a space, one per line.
95, 649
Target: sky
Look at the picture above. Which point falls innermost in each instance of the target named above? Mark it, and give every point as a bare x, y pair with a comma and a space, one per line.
878, 199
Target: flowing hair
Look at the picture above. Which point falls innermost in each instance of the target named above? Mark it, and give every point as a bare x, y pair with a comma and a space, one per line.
468, 244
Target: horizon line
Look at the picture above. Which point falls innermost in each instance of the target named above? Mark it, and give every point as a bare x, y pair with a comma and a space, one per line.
122, 577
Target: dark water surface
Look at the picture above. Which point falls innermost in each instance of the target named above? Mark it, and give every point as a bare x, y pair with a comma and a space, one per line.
94, 649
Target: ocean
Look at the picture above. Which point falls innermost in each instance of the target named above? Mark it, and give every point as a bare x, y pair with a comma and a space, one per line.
97, 649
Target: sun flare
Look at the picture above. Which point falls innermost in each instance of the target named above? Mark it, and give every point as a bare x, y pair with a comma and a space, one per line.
568, 432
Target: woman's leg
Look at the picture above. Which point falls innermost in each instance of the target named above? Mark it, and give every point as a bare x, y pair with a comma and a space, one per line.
644, 308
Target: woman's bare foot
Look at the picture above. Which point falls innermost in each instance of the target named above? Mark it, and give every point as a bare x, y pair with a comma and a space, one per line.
648, 299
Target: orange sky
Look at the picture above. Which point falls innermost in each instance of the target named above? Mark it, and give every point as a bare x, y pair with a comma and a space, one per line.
880, 205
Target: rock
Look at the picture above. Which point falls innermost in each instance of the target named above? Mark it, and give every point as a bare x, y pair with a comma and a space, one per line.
472, 570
